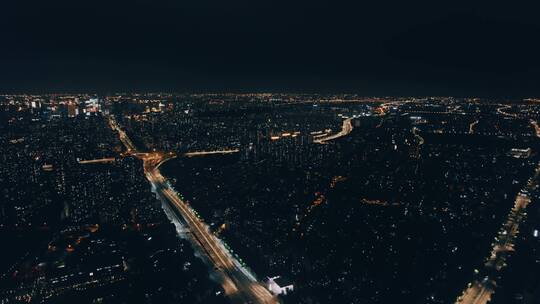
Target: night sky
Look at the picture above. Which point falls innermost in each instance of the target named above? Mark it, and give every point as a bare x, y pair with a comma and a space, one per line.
377, 48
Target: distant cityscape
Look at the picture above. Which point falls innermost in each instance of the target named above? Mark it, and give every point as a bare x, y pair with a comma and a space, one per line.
269, 198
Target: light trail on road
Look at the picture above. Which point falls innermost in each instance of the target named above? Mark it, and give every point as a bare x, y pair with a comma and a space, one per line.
203, 153
97, 161
420, 138
346, 129
501, 111
472, 125
534, 123
238, 283
480, 292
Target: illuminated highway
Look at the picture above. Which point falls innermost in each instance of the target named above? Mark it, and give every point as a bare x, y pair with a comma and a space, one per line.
480, 291
536, 128
97, 161
123, 136
418, 137
472, 125
502, 108
238, 283
346, 128
203, 153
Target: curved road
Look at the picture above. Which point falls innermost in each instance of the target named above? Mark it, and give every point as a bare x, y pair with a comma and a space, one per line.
346, 128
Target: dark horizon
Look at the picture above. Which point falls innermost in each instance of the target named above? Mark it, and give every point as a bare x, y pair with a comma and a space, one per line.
388, 49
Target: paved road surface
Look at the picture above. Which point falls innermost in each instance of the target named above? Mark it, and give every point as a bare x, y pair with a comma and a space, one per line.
239, 284
346, 128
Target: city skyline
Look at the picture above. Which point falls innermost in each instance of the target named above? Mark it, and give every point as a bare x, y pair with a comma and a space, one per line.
269, 152
269, 198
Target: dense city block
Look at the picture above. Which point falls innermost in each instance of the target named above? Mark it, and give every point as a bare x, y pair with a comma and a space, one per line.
267, 198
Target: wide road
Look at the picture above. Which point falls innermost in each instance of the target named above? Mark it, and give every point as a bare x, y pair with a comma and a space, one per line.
501, 110
472, 125
418, 136
97, 161
238, 283
480, 291
534, 123
216, 152
346, 128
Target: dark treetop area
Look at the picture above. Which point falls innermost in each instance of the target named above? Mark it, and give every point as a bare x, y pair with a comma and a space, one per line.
373, 48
